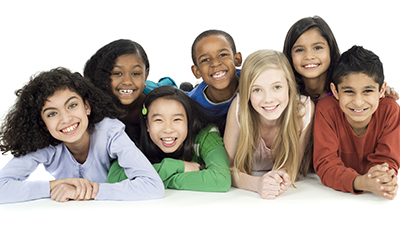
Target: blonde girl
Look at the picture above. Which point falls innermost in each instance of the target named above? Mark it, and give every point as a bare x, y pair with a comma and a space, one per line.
268, 126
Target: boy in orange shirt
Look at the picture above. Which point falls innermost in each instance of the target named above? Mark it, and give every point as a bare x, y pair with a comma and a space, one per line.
357, 132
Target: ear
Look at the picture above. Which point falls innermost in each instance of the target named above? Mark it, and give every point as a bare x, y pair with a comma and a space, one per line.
87, 107
196, 71
383, 89
334, 91
147, 125
238, 59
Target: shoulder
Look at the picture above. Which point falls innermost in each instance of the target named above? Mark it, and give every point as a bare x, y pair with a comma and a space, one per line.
109, 126
388, 107
327, 104
197, 93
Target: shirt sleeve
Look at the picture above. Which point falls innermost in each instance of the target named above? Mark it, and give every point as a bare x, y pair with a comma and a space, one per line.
142, 181
13, 184
388, 144
215, 177
327, 162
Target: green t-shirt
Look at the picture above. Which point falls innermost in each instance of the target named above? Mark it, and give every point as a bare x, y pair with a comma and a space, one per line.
209, 152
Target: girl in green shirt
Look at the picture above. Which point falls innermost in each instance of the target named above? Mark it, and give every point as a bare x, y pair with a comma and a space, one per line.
184, 147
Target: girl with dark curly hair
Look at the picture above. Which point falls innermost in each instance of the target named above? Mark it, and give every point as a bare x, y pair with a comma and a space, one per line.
120, 69
62, 121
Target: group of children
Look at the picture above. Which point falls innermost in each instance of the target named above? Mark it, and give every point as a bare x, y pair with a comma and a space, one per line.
114, 135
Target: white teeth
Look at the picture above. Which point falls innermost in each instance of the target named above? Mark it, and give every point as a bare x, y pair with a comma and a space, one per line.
169, 140
358, 110
310, 66
70, 128
125, 91
270, 108
219, 74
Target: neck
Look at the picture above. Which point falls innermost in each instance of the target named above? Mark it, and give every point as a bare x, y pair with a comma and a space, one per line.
315, 87
80, 149
220, 95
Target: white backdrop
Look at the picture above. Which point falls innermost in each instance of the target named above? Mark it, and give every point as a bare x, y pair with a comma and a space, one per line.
41, 35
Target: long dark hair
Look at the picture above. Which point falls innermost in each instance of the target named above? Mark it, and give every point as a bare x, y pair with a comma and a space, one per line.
196, 116
98, 67
23, 129
296, 31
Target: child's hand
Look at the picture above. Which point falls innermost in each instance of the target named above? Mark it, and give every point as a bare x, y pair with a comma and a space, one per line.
286, 181
63, 192
379, 180
390, 92
269, 185
191, 166
85, 189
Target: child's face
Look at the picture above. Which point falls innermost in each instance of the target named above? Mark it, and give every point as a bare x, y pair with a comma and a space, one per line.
167, 124
66, 117
311, 54
358, 96
128, 78
215, 62
269, 94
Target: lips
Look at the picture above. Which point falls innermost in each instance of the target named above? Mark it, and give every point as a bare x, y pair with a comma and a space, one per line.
70, 129
126, 91
311, 66
169, 141
270, 108
219, 74
358, 111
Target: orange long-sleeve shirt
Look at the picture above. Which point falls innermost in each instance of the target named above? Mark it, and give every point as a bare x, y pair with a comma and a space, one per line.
340, 155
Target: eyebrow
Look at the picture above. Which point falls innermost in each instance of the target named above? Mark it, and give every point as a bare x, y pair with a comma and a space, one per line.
205, 54
67, 101
297, 46
136, 66
177, 114
366, 87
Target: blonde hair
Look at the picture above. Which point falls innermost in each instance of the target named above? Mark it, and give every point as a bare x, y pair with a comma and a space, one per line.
285, 146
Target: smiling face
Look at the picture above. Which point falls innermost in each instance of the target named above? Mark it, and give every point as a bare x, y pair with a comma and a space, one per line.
128, 78
66, 117
311, 54
358, 96
269, 94
216, 62
167, 124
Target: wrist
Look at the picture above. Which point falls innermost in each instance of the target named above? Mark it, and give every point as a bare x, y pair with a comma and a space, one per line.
359, 183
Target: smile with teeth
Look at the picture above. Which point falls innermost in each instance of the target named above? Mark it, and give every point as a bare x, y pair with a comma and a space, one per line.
271, 108
311, 65
125, 91
71, 128
358, 110
169, 141
219, 74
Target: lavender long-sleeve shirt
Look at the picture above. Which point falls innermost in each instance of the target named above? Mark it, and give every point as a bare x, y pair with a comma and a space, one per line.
108, 141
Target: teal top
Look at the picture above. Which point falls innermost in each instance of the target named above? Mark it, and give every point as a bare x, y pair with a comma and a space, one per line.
209, 152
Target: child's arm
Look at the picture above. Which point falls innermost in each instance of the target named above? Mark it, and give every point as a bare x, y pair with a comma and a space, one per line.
214, 178
142, 181
73, 189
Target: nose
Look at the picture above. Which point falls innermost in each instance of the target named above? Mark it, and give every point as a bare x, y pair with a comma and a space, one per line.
127, 79
268, 97
358, 100
309, 54
66, 117
215, 62
168, 128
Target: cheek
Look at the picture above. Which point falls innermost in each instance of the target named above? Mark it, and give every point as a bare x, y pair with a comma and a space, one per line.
296, 60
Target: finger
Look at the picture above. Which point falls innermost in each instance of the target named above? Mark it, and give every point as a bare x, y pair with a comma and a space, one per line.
274, 175
95, 186
88, 190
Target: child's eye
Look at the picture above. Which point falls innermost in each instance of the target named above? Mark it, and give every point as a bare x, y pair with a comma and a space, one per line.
51, 114
204, 60
367, 91
73, 105
136, 74
277, 87
256, 90
223, 54
116, 73
298, 50
318, 48
348, 91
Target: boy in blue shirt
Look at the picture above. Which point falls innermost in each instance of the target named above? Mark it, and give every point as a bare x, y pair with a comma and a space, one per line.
215, 60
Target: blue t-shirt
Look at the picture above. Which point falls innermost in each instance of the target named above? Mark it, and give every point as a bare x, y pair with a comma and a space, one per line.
199, 95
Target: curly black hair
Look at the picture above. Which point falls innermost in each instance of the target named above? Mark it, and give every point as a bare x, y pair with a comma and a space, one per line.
23, 130
98, 68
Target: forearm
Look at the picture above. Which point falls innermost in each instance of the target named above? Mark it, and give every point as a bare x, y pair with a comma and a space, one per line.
244, 181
